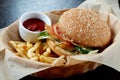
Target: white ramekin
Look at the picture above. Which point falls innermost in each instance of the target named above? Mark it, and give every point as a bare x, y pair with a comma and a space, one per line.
27, 35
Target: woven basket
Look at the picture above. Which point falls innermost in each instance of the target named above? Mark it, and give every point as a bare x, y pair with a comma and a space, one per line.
54, 72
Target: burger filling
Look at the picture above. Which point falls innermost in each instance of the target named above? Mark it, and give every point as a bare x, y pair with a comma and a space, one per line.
55, 35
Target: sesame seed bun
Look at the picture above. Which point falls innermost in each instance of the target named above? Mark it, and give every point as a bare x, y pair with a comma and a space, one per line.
84, 27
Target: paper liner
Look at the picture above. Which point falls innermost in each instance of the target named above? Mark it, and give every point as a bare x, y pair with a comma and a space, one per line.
15, 67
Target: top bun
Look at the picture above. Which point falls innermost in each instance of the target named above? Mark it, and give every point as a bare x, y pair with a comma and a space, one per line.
84, 27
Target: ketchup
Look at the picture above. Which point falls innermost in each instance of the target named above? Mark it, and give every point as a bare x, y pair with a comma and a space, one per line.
34, 24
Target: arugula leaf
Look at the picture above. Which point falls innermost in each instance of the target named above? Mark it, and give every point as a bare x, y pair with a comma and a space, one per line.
82, 50
44, 35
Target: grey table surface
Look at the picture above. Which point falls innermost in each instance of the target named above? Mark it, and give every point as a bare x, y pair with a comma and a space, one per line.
11, 10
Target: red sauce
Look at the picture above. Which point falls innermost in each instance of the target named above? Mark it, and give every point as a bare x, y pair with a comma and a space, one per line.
34, 24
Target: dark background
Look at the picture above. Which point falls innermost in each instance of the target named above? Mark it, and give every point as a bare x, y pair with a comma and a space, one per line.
11, 10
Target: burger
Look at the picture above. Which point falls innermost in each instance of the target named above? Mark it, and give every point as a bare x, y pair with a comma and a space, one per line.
78, 31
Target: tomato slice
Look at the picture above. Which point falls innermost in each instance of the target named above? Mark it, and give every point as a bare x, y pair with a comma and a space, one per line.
57, 32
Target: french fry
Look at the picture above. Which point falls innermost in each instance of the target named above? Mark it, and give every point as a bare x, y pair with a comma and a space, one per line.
18, 54
34, 59
13, 44
31, 51
47, 52
45, 59
29, 45
45, 46
37, 52
18, 47
21, 52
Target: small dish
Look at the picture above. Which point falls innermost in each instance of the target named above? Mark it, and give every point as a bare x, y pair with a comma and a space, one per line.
26, 34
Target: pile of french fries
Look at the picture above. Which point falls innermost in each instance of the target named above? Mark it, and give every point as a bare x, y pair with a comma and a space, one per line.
38, 51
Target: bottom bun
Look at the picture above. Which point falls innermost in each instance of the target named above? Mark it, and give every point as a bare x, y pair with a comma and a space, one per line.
55, 48
67, 71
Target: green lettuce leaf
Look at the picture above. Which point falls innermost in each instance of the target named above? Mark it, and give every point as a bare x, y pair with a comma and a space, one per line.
44, 35
83, 50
